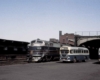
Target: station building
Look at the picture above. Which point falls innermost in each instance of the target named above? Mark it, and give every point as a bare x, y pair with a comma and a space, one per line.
67, 38
10, 49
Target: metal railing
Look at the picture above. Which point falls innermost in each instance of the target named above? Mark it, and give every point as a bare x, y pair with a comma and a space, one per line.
87, 33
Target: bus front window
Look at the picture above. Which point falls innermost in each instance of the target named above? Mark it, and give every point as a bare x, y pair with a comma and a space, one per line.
62, 51
65, 51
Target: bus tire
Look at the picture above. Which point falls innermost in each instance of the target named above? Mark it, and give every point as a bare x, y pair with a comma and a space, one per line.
85, 59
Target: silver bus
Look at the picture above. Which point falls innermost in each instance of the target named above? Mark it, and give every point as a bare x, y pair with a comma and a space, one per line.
40, 50
73, 54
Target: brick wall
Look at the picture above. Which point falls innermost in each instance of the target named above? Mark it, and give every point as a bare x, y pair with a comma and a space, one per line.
67, 38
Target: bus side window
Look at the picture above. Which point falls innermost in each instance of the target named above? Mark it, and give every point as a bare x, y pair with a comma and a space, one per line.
74, 51
84, 51
78, 51
71, 51
87, 51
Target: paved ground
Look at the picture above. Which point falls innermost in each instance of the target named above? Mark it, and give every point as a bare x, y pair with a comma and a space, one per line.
11, 62
51, 71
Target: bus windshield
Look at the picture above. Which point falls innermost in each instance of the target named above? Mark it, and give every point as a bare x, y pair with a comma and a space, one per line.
64, 51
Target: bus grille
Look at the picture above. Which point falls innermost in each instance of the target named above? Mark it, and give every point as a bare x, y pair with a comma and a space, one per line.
63, 55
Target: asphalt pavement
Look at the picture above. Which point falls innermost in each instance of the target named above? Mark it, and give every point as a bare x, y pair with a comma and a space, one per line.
52, 71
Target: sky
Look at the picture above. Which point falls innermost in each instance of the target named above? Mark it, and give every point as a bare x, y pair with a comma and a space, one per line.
26, 20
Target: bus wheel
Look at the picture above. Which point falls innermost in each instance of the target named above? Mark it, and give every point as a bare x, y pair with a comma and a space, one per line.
85, 59
74, 60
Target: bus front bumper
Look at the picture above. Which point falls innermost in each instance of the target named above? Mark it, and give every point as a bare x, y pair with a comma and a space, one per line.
65, 60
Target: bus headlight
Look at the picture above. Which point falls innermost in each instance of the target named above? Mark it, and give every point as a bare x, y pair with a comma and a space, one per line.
68, 57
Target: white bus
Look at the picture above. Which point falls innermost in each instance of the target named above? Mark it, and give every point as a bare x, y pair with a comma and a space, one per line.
73, 54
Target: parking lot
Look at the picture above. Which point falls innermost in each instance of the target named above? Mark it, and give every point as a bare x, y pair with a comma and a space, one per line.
51, 71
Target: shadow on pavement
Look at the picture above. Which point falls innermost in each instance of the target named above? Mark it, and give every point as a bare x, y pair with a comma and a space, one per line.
96, 62
64, 62
71, 62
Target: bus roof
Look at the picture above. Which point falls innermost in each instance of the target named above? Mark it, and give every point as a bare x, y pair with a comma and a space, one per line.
72, 47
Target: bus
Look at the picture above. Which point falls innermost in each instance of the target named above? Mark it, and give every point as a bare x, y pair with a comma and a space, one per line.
41, 50
73, 54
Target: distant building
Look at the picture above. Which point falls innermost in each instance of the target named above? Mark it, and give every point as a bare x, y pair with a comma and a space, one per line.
67, 38
54, 40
